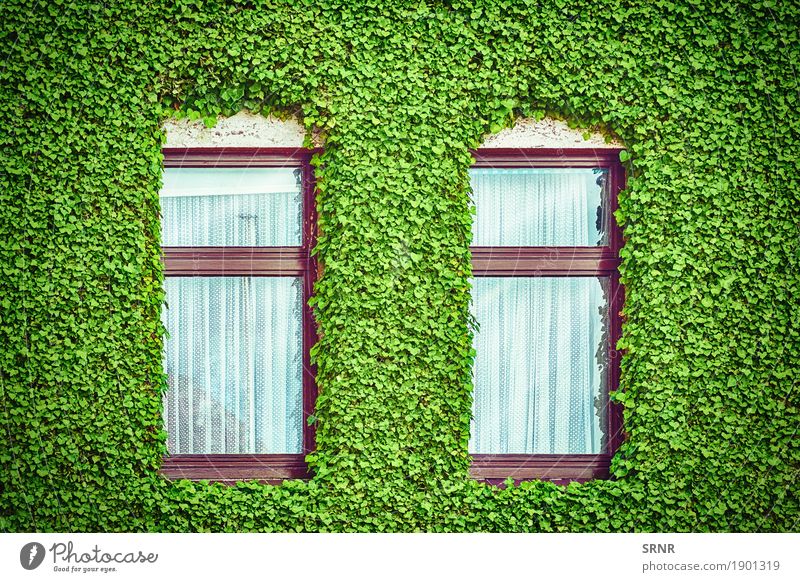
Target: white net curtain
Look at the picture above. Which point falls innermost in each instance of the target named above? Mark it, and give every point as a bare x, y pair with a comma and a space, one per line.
530, 207
219, 207
233, 355
537, 371
540, 367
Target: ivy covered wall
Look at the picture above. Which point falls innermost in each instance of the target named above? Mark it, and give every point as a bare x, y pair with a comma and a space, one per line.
705, 96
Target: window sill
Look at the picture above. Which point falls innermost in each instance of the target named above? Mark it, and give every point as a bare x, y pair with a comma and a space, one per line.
496, 469
229, 469
493, 469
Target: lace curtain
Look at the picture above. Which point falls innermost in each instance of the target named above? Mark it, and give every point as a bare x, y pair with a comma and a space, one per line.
528, 207
539, 371
233, 355
539, 365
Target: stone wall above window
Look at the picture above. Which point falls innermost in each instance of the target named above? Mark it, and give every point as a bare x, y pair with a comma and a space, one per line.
241, 130
546, 133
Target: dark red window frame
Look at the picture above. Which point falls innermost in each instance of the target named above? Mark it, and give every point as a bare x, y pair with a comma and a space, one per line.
599, 261
256, 262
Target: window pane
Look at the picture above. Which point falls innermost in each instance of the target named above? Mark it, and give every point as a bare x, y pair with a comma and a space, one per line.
539, 206
541, 363
231, 207
234, 365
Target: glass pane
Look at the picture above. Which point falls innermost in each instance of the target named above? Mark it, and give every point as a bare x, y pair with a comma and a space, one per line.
231, 207
234, 364
528, 207
541, 365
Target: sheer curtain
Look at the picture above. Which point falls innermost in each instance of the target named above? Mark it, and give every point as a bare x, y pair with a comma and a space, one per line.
231, 207
539, 365
530, 207
539, 370
234, 364
233, 355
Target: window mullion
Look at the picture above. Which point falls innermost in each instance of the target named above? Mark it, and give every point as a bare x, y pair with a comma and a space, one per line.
536, 261
236, 261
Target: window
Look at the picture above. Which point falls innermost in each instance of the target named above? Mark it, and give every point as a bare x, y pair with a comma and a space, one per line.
237, 229
546, 297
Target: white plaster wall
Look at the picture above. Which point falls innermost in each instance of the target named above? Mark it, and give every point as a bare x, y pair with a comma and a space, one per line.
241, 130
547, 133
249, 130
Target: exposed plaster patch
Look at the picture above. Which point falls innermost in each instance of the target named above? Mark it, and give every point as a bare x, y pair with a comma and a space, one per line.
547, 133
251, 130
241, 130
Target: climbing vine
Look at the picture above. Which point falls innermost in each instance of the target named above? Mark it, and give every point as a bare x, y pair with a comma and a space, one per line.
705, 96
